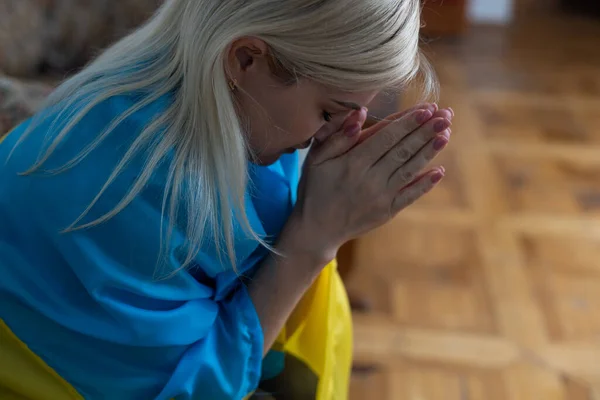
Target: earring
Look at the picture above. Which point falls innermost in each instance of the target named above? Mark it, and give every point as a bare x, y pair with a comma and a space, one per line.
233, 84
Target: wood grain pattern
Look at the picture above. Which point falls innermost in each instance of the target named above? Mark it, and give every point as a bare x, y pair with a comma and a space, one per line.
444, 17
489, 288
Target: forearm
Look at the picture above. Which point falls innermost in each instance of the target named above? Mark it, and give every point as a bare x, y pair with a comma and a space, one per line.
281, 281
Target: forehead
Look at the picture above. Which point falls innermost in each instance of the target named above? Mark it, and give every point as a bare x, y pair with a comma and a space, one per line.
321, 92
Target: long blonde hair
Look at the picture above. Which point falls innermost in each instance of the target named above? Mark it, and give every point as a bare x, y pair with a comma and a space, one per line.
352, 45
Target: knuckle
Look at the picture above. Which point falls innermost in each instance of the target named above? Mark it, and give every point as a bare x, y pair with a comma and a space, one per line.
406, 176
429, 155
390, 137
420, 162
416, 119
421, 159
401, 154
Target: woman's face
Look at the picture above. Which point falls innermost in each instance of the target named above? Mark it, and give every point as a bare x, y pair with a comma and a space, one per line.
282, 118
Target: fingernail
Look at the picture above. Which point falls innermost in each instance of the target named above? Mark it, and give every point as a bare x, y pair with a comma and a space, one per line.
447, 133
451, 111
352, 130
437, 177
441, 126
440, 143
424, 116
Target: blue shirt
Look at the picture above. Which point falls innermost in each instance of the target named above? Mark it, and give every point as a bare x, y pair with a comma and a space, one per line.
88, 302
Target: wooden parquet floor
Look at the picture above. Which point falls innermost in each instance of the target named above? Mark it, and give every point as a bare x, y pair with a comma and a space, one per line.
489, 288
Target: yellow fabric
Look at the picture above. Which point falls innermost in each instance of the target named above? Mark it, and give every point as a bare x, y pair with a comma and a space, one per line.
23, 375
319, 333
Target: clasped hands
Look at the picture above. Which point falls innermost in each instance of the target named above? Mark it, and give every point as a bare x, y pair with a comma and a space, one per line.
355, 180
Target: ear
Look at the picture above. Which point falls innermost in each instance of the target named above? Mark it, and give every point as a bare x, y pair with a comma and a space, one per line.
247, 56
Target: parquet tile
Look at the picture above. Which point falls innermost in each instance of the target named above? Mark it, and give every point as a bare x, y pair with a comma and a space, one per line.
451, 194
489, 288
550, 186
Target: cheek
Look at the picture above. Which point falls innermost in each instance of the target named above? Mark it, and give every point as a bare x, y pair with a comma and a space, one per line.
296, 123
302, 127
285, 118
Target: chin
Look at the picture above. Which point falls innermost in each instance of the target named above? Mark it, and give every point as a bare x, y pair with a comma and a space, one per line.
268, 159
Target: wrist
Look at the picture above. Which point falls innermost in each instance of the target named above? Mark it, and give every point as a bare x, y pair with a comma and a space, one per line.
301, 241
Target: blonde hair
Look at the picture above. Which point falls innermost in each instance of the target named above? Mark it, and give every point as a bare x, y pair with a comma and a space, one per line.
352, 45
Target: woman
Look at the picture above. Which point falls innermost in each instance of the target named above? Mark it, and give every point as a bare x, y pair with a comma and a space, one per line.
167, 169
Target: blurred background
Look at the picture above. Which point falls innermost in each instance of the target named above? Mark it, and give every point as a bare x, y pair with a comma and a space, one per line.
488, 288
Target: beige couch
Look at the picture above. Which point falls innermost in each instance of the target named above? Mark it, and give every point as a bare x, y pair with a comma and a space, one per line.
41, 40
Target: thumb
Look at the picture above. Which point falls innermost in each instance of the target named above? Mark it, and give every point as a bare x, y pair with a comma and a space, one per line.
340, 142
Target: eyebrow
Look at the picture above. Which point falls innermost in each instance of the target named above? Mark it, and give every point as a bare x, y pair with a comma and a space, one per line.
350, 105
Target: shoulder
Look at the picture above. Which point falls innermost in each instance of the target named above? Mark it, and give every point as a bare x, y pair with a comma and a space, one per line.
36, 135
73, 188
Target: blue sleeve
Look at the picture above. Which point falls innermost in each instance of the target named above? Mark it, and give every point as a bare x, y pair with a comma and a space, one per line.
96, 293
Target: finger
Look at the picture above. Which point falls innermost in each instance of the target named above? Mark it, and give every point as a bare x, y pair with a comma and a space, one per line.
419, 176
377, 146
415, 191
404, 175
323, 133
409, 146
362, 116
367, 133
355, 117
444, 113
336, 145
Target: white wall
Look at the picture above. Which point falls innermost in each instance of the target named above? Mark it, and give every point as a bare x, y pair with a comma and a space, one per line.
490, 11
